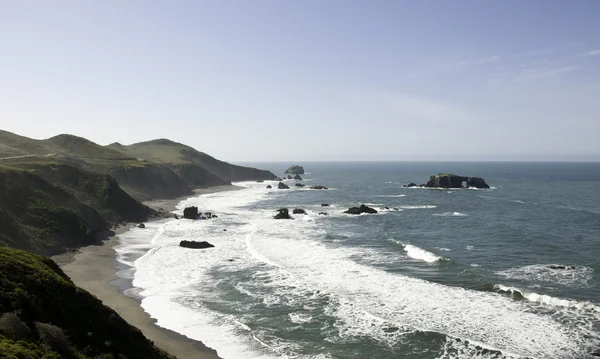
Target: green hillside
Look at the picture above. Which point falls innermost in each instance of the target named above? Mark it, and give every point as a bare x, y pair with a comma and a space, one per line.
44, 315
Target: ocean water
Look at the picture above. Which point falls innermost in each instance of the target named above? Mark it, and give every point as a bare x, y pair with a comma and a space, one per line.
449, 274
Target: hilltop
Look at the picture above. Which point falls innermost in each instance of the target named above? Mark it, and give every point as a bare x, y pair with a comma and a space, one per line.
67, 191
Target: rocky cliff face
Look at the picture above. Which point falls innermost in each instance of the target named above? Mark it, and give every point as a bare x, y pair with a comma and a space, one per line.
443, 180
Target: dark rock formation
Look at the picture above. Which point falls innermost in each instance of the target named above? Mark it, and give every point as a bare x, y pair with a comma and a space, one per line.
284, 213
411, 185
269, 186
324, 205
319, 187
278, 179
554, 266
443, 180
190, 212
295, 170
289, 177
299, 185
282, 185
214, 216
195, 245
176, 216
323, 214
361, 209
141, 225
298, 211
298, 178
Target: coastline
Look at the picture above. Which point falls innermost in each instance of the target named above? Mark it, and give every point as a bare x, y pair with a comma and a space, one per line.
94, 269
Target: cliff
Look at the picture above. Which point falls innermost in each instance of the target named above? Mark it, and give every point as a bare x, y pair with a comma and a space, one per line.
44, 315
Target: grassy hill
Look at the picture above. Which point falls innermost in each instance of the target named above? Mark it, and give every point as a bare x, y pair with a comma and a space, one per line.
62, 192
44, 315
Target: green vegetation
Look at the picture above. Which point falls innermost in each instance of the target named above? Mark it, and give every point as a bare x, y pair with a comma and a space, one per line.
44, 315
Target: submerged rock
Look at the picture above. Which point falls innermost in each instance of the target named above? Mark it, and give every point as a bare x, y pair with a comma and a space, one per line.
141, 225
195, 245
445, 180
282, 185
298, 211
190, 212
295, 170
323, 214
269, 186
361, 209
411, 185
284, 213
299, 185
298, 178
289, 177
260, 181
319, 187
324, 204
555, 266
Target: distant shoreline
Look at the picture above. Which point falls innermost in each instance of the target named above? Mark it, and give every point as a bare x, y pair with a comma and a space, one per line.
94, 268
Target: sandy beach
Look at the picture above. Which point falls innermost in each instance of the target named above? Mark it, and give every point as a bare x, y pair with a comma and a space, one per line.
94, 267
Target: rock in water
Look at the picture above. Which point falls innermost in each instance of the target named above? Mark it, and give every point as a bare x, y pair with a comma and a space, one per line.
282, 185
284, 213
445, 180
195, 245
324, 204
190, 212
319, 187
295, 170
260, 181
323, 214
361, 209
298, 211
299, 185
269, 186
298, 178
289, 177
141, 225
411, 185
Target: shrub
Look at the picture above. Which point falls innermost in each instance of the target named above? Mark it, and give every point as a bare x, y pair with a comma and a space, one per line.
13, 327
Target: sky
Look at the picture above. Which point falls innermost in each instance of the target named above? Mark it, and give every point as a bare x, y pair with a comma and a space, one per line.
333, 80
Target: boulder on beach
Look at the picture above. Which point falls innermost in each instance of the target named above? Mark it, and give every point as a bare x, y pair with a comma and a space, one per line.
295, 170
319, 187
446, 180
141, 225
190, 212
361, 209
299, 185
269, 186
284, 213
195, 245
282, 185
298, 211
298, 178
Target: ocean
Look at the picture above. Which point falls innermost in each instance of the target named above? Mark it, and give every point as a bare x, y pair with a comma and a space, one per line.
450, 274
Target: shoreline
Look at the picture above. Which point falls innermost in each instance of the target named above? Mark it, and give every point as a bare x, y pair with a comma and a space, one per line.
94, 268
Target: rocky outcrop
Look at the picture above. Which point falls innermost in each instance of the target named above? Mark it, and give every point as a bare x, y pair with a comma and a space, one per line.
298, 178
319, 187
282, 185
195, 245
190, 212
298, 211
444, 180
361, 209
283, 213
295, 170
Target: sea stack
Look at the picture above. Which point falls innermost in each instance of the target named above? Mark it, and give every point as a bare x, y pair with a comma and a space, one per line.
295, 170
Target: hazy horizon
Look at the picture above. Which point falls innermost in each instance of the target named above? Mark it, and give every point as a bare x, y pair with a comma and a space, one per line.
272, 81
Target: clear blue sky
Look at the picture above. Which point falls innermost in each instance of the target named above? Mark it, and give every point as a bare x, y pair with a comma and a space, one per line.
309, 80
